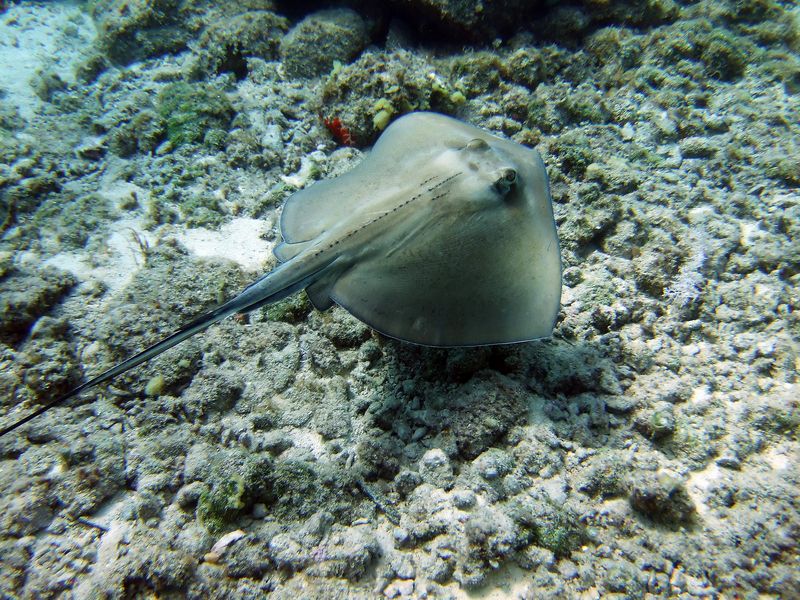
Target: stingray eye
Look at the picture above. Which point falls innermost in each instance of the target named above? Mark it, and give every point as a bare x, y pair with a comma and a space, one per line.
477, 144
506, 178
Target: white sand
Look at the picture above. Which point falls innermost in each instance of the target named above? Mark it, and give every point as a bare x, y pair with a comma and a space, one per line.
239, 240
53, 36
124, 256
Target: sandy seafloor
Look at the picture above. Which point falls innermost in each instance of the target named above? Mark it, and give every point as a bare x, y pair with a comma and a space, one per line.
648, 450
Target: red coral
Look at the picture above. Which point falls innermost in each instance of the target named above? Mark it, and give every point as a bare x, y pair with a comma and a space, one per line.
339, 132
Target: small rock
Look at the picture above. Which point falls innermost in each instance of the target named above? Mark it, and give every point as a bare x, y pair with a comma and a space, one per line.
485, 410
146, 505
620, 405
572, 276
274, 442
401, 536
698, 147
399, 588
93, 148
46, 83
663, 497
567, 569
406, 481
657, 423
403, 565
189, 494
492, 464
602, 477
621, 577
615, 175
464, 499
729, 461
315, 43
435, 468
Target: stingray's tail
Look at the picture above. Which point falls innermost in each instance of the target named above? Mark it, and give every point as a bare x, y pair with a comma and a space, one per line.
265, 290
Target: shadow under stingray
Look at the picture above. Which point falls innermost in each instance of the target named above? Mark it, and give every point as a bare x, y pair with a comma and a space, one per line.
467, 400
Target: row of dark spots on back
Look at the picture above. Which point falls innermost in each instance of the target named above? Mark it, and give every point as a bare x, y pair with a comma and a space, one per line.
395, 209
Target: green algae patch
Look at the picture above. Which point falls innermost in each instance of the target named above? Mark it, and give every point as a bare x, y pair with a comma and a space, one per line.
296, 489
143, 133
561, 532
74, 220
219, 507
725, 55
291, 310
574, 151
194, 112
193, 210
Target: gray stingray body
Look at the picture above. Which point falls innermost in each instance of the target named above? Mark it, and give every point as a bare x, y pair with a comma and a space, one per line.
443, 235
427, 242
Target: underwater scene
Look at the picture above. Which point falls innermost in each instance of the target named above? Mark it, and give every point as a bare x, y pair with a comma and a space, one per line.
405, 299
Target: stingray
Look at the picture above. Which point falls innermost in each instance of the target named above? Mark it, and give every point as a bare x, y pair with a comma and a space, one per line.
442, 236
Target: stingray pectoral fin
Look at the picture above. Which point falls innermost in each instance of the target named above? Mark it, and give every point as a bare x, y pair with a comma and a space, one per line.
269, 288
